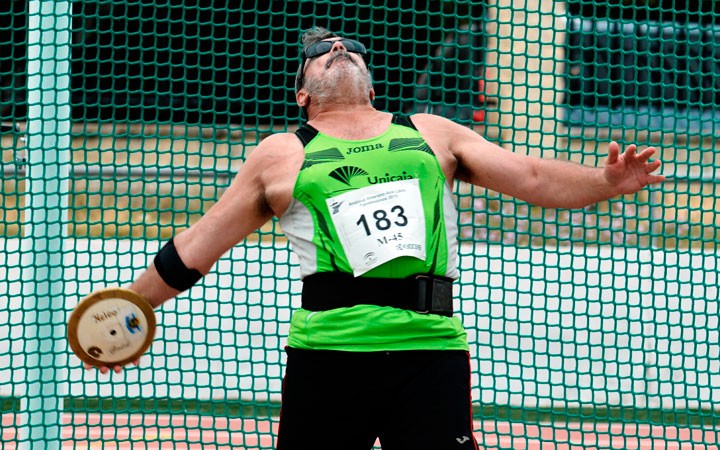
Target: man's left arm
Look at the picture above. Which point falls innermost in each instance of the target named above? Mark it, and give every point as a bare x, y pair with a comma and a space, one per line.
550, 183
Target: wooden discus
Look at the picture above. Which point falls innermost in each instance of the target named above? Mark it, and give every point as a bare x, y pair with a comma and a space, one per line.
111, 327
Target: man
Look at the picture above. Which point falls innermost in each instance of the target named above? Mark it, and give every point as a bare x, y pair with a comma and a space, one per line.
365, 198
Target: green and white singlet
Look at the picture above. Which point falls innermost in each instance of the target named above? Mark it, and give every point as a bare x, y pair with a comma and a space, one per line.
378, 207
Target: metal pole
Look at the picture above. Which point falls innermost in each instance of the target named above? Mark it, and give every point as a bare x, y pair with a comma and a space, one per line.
48, 166
148, 173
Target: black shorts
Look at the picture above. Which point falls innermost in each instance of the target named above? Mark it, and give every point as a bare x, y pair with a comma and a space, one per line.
411, 400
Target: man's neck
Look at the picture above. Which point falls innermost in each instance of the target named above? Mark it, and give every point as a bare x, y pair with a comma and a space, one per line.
339, 111
359, 122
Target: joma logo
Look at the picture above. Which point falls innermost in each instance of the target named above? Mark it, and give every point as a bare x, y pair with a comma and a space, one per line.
363, 148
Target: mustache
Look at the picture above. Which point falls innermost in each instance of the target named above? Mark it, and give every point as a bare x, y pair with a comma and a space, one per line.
338, 55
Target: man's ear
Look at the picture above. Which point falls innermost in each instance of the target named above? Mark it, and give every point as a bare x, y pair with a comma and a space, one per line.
372, 94
302, 98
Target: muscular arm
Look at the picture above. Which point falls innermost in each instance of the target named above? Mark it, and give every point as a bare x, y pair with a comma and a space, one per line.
242, 209
261, 189
549, 183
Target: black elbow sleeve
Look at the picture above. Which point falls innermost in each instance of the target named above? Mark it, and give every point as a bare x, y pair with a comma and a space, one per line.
173, 270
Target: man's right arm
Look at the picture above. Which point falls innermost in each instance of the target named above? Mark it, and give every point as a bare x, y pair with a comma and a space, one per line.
241, 210
261, 189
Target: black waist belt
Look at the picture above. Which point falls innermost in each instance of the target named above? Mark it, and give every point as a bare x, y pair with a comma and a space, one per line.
420, 293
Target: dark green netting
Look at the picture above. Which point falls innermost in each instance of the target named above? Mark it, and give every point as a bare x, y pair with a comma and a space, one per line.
123, 121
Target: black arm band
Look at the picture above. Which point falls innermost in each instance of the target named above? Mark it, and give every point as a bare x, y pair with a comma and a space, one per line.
173, 270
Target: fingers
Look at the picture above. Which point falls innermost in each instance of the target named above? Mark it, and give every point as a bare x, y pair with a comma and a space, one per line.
645, 155
652, 166
613, 153
630, 150
631, 154
652, 179
105, 369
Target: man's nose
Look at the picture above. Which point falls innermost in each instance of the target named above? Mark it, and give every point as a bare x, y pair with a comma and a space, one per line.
337, 46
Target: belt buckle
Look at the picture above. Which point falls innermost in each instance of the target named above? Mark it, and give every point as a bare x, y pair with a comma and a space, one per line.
434, 296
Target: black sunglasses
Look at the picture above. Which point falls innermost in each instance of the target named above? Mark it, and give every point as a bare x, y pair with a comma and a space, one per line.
320, 48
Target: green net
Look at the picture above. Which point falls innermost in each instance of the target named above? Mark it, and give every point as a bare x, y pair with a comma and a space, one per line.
122, 122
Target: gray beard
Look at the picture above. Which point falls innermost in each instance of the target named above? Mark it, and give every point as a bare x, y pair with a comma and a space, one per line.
345, 83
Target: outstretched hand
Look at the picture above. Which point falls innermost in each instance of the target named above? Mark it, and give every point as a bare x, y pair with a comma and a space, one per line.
630, 171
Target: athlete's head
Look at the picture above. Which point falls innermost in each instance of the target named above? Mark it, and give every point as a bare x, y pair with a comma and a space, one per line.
332, 70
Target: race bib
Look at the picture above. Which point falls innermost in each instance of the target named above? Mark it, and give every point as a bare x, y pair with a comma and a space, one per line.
379, 223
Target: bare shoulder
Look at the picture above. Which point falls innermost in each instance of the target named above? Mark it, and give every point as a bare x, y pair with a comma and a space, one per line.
275, 164
278, 155
433, 124
443, 133
437, 132
279, 145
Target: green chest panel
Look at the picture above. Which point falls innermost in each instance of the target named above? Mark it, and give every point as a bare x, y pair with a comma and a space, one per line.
334, 166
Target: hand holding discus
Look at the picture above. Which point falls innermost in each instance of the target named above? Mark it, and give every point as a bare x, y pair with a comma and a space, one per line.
110, 328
